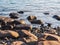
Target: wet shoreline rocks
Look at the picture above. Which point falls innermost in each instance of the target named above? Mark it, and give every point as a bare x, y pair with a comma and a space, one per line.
18, 32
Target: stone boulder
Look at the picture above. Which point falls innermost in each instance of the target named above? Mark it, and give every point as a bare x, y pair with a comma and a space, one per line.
2, 22
31, 17
22, 21
6, 27
14, 15
8, 33
36, 21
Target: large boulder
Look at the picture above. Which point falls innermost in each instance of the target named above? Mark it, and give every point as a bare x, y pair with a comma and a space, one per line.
36, 21
6, 27
14, 15
2, 22
22, 21
35, 38
17, 22
31, 17
8, 33
22, 26
6, 19
56, 17
32, 39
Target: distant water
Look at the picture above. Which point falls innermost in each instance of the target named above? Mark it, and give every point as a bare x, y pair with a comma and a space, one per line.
33, 7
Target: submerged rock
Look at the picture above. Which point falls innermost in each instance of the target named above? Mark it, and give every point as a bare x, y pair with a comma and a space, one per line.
46, 13
31, 17
21, 12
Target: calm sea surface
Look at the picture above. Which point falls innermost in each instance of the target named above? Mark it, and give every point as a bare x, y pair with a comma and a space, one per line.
32, 7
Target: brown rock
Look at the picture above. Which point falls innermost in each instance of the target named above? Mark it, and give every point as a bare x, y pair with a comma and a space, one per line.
22, 21
32, 36
13, 33
18, 43
24, 26
8, 33
31, 18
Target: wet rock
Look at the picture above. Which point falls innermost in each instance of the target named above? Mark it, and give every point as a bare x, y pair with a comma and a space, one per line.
30, 35
21, 12
13, 33
15, 22
7, 19
32, 39
51, 31
22, 34
22, 21
6, 27
31, 17
24, 26
18, 43
2, 22
14, 15
46, 13
56, 17
8, 33
36, 21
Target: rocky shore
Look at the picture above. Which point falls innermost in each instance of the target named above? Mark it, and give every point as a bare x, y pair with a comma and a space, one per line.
18, 32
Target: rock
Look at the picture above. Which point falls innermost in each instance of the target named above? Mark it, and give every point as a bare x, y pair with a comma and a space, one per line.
22, 21
14, 15
46, 13
21, 12
2, 22
56, 17
22, 34
18, 43
19, 27
7, 19
49, 24
8, 33
32, 39
6, 27
15, 22
13, 33
31, 17
30, 35
36, 22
